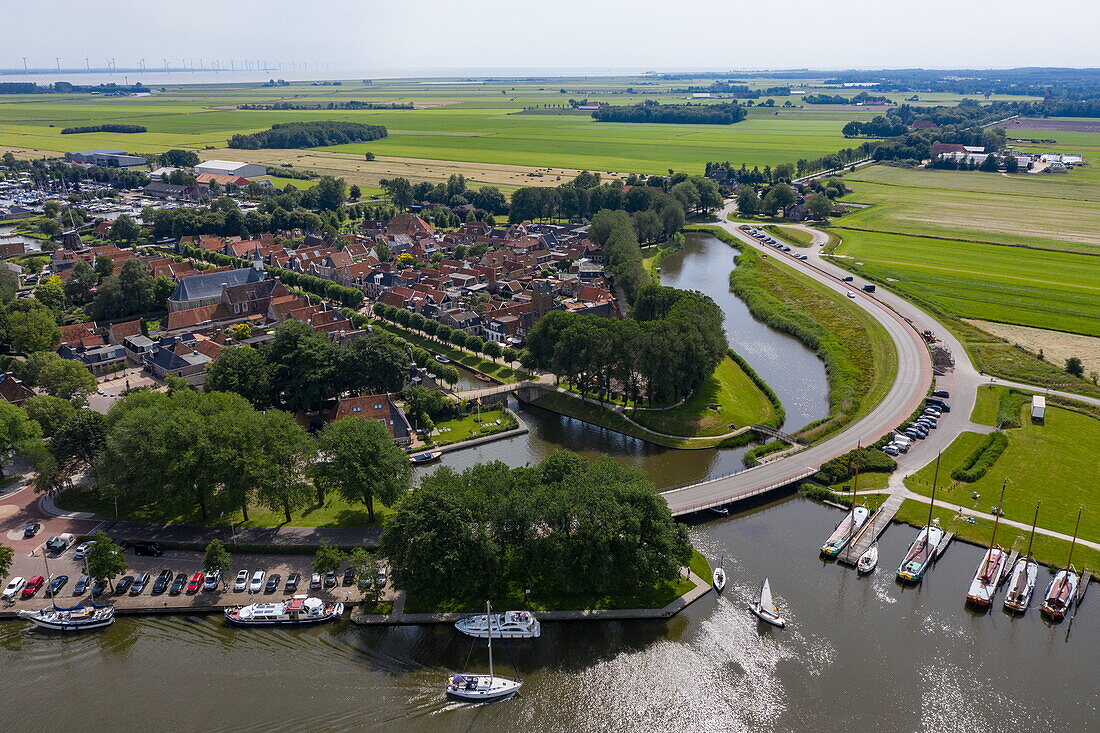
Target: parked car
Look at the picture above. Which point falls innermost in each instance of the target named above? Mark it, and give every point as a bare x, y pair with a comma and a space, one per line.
58, 543
315, 581
212, 579
83, 549
149, 549
257, 583
938, 403
31, 530
932, 411
178, 584
81, 586
941, 393
890, 449
927, 422
349, 576
380, 578
56, 585
99, 588
196, 583
272, 584
32, 587
123, 584
330, 579
365, 582
919, 435
139, 584
241, 582
292, 582
162, 582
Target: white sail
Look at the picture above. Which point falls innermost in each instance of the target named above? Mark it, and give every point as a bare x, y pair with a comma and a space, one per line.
766, 597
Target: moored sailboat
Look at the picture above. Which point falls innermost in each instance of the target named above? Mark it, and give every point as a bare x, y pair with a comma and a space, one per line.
480, 687
1063, 589
765, 609
77, 618
1021, 585
847, 528
992, 566
923, 548
868, 561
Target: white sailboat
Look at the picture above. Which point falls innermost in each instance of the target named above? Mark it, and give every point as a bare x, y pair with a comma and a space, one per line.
868, 561
765, 608
719, 576
480, 687
1021, 586
849, 526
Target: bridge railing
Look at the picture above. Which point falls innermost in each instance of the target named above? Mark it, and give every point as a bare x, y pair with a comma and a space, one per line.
736, 495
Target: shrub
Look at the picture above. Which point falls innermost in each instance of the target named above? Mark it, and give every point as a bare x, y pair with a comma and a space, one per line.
869, 459
982, 459
813, 491
1008, 408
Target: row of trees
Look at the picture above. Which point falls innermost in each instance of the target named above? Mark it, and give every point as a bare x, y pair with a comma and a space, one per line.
725, 113
565, 525
454, 192
458, 337
673, 341
308, 135
104, 128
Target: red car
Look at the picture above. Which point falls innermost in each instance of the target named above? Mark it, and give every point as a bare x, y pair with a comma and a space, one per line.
196, 583
32, 586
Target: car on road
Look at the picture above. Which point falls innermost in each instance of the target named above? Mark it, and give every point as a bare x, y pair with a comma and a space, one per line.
32, 587
148, 549
81, 586
83, 549
164, 579
99, 588
196, 583
124, 584
330, 579
272, 584
349, 576
31, 530
212, 579
847, 279
139, 584
178, 584
850, 294
13, 587
941, 393
257, 583
292, 582
380, 578
315, 581
56, 585
241, 582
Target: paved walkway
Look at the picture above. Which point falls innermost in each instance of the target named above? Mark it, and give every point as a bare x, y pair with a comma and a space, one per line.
266, 536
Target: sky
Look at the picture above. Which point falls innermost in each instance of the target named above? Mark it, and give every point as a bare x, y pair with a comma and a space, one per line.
408, 35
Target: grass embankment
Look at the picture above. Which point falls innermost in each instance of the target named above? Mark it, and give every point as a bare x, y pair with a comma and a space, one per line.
499, 372
859, 357
474, 425
657, 596
871, 501
337, 512
790, 235
1053, 461
738, 397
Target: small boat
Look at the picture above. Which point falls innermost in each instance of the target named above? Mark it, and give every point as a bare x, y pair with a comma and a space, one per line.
421, 459
991, 568
1062, 591
507, 625
765, 609
481, 377
845, 530
482, 687
868, 561
1021, 585
718, 577
722, 511
77, 618
298, 611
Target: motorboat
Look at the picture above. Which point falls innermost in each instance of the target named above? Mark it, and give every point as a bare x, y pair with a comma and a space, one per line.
507, 625
1021, 584
297, 611
845, 530
421, 459
719, 578
77, 618
481, 377
482, 687
868, 561
721, 511
765, 608
920, 553
992, 566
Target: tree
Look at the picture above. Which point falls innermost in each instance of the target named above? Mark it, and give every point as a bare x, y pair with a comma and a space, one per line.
50, 292
354, 193
105, 560
328, 559
125, 229
820, 207
77, 443
82, 280
1075, 367
285, 453
7, 555
369, 156
361, 563
360, 461
9, 285
240, 331
64, 378
748, 202
331, 193
18, 433
179, 158
245, 371
131, 291
400, 192
217, 561
51, 413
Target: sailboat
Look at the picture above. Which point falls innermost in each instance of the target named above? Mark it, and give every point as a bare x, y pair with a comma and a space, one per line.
920, 553
992, 566
847, 528
478, 686
1063, 589
719, 576
868, 561
765, 608
1021, 586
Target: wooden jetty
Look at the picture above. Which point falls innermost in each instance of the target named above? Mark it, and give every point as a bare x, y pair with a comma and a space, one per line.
1083, 586
1007, 572
871, 531
942, 546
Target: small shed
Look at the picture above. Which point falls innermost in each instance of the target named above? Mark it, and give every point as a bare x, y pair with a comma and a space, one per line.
1038, 407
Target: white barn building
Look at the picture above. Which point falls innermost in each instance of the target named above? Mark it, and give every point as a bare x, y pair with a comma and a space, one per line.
231, 168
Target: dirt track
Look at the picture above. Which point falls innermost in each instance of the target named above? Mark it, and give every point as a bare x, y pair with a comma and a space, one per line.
1032, 123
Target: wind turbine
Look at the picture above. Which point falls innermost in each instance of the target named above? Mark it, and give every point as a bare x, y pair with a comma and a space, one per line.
24, 64
57, 60
87, 64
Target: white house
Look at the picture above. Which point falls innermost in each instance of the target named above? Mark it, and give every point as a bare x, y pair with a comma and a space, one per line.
231, 168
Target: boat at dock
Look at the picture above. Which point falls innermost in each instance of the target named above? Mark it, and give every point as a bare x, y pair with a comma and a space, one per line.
845, 530
77, 618
507, 625
992, 566
922, 551
299, 610
765, 608
421, 459
481, 377
1021, 584
868, 561
481, 687
1062, 591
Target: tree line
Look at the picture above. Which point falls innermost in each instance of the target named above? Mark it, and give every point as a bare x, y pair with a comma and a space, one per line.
308, 135
565, 525
104, 128
351, 104
861, 98
688, 114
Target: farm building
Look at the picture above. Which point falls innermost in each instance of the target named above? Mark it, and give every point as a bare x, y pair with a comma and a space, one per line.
230, 168
1038, 407
105, 158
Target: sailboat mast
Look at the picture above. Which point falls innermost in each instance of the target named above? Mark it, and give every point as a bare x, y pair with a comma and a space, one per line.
855, 488
1034, 523
935, 480
489, 620
997, 516
1073, 542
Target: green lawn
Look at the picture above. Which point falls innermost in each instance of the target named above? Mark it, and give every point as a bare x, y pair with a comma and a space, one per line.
475, 425
795, 237
1054, 461
740, 402
336, 512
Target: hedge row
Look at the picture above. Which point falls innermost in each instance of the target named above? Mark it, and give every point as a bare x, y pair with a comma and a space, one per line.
443, 372
869, 459
778, 413
982, 459
752, 458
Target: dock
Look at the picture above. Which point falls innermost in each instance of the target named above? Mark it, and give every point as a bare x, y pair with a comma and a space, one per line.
871, 531
942, 546
1007, 572
1083, 586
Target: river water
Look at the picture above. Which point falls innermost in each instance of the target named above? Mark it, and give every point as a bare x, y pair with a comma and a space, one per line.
861, 652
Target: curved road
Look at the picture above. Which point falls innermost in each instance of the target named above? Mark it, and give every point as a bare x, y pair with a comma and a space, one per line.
911, 385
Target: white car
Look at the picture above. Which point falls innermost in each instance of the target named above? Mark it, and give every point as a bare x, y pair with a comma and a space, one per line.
83, 549
241, 582
13, 587
257, 583
850, 294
